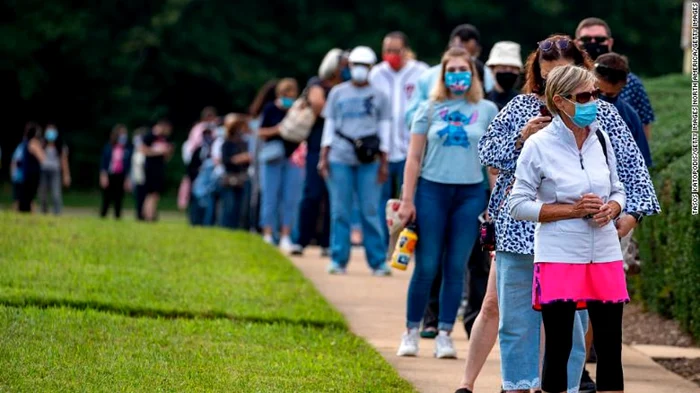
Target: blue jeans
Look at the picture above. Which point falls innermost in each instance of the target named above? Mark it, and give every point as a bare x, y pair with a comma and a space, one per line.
232, 204
315, 195
343, 181
519, 327
391, 189
200, 213
446, 217
356, 218
281, 189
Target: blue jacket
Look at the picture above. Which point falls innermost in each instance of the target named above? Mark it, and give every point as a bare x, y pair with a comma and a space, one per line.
106, 159
634, 123
206, 182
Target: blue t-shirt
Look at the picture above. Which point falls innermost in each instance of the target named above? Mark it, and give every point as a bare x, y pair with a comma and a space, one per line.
636, 96
633, 122
452, 155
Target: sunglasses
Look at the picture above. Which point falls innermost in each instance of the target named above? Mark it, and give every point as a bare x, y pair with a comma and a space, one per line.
584, 97
596, 39
549, 44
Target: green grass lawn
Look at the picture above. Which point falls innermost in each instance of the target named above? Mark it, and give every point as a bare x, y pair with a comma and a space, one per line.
57, 350
91, 305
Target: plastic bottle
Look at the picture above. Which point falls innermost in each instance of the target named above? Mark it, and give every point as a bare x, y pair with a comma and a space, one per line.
405, 247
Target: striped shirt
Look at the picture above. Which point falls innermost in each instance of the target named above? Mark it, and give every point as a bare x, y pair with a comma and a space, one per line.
398, 86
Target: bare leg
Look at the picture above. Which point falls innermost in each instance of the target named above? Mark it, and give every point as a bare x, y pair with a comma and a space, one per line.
150, 206
484, 333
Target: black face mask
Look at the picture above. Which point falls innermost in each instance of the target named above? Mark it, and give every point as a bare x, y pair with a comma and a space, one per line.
506, 80
595, 49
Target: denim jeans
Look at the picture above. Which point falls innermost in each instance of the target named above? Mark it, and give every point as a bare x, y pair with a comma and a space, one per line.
232, 203
50, 188
315, 195
391, 189
343, 181
519, 327
196, 211
356, 218
446, 219
280, 192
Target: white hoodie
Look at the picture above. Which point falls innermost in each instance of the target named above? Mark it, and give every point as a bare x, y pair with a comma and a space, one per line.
551, 169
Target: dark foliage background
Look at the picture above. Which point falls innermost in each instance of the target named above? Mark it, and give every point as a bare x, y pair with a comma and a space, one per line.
87, 65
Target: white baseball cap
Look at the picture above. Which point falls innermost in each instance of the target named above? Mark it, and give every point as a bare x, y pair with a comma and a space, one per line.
505, 53
362, 55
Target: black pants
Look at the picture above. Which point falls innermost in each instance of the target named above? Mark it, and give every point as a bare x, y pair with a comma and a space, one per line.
315, 194
113, 194
139, 197
476, 279
606, 320
29, 188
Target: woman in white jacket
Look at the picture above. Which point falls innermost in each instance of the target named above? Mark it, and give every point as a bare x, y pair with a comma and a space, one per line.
567, 182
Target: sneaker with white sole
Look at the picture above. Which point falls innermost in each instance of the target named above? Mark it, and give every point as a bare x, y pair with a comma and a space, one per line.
286, 244
444, 347
269, 239
382, 271
409, 343
297, 250
335, 268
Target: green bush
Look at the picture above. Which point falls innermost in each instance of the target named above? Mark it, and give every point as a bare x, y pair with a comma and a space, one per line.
670, 242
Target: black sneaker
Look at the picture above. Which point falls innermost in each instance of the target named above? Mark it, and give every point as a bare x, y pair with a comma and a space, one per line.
463, 390
297, 250
587, 385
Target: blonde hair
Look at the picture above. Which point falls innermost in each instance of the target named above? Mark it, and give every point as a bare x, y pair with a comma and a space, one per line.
563, 80
235, 124
285, 85
440, 92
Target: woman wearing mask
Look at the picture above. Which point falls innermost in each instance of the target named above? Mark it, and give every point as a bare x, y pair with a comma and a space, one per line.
568, 183
55, 172
356, 113
235, 158
506, 64
32, 157
114, 170
447, 200
280, 178
519, 326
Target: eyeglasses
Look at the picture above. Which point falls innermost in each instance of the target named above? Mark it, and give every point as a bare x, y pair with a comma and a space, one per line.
549, 44
584, 97
597, 39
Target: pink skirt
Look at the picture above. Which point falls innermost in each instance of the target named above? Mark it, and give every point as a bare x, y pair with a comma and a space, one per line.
580, 283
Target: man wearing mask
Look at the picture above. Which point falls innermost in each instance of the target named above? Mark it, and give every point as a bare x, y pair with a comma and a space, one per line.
595, 36
396, 77
506, 64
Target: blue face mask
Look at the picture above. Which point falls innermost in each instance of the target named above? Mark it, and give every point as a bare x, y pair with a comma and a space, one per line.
51, 135
584, 114
122, 139
345, 74
287, 102
458, 82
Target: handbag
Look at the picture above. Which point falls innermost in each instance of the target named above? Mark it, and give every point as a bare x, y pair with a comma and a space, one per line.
272, 151
296, 125
236, 180
366, 148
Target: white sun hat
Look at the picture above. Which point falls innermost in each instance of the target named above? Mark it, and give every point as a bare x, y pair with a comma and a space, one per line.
505, 53
330, 63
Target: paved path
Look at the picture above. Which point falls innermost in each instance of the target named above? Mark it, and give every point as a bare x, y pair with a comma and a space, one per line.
375, 308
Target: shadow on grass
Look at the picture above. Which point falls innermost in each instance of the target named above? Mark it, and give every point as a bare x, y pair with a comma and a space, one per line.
143, 312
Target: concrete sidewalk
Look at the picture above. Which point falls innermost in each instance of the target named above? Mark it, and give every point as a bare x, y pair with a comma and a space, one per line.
375, 309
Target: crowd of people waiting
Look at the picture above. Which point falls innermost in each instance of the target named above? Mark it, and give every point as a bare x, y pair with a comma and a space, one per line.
559, 170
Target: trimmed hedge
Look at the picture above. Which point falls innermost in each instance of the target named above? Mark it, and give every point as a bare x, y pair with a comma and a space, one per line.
670, 242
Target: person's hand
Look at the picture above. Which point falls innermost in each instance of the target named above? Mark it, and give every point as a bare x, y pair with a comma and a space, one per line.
383, 173
104, 180
323, 168
487, 217
589, 204
533, 125
127, 185
407, 212
625, 224
606, 213
66, 181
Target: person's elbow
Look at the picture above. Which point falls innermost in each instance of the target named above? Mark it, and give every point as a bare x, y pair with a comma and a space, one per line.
522, 208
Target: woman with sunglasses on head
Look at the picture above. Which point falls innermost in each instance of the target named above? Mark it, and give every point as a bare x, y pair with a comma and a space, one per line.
446, 180
522, 117
568, 183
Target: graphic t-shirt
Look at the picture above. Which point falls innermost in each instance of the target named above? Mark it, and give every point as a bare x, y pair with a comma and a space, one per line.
455, 127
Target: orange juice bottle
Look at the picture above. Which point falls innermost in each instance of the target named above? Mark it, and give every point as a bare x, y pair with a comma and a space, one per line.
405, 247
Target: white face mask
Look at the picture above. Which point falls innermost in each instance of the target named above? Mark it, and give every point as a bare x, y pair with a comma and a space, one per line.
359, 73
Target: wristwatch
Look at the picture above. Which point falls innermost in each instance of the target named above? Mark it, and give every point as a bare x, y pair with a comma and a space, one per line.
637, 216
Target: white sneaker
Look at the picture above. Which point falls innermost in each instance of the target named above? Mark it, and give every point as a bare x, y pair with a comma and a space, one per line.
286, 244
409, 343
268, 239
297, 250
444, 347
